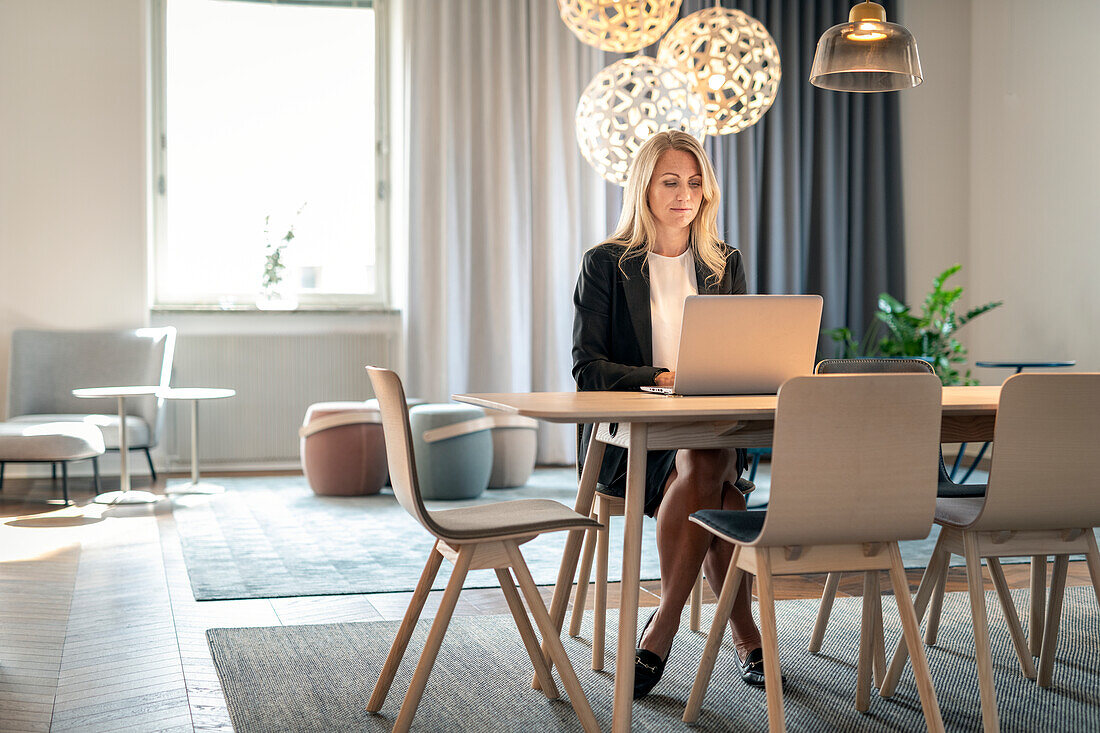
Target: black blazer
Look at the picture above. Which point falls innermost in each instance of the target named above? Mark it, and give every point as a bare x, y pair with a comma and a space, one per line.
613, 333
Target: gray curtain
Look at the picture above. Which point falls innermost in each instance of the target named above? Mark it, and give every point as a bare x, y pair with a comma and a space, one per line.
812, 192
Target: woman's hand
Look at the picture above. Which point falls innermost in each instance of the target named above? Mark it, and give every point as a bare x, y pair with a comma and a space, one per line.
665, 379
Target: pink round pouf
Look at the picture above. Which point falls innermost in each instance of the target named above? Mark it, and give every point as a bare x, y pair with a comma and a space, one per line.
343, 450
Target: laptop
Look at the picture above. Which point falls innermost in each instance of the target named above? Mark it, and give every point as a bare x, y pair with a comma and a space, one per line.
744, 344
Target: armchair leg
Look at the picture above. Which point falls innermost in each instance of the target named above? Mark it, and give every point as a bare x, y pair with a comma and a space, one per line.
65, 481
53, 472
1053, 618
982, 653
95, 473
824, 610
435, 640
408, 623
1, 475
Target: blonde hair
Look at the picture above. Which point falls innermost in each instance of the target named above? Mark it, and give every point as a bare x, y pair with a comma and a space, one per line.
636, 229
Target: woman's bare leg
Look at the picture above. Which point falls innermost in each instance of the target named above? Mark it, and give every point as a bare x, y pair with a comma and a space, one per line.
698, 482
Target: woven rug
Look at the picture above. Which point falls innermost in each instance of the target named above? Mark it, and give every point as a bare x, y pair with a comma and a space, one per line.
271, 537
318, 678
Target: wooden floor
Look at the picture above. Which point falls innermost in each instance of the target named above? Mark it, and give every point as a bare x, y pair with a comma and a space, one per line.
99, 630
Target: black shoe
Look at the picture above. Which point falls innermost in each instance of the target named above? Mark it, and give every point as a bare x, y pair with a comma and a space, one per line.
745, 486
648, 667
752, 668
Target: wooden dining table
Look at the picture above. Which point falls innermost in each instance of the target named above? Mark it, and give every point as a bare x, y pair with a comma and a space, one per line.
640, 421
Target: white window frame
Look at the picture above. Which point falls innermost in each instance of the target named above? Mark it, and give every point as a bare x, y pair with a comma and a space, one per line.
157, 206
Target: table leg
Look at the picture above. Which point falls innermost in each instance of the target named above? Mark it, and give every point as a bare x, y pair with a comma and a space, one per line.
196, 486
586, 492
124, 495
632, 555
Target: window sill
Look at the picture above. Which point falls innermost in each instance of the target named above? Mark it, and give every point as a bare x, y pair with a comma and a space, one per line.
252, 309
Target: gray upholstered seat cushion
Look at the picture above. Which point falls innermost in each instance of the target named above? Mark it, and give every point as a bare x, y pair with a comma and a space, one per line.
958, 512
731, 524
137, 430
49, 441
508, 518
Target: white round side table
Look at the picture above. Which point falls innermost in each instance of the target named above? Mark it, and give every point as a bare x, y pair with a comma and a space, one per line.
124, 495
194, 394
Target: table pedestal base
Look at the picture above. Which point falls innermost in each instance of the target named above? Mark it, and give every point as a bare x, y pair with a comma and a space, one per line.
127, 497
191, 487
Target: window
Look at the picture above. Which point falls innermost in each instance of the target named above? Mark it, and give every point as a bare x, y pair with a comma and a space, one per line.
265, 118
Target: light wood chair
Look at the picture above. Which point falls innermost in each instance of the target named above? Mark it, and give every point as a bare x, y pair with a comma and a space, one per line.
850, 478
945, 488
596, 545
1041, 500
483, 536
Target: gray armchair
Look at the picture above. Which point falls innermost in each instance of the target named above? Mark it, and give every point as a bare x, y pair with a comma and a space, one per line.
46, 366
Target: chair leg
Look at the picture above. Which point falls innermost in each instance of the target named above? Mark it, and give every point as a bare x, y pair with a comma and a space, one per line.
519, 613
982, 653
1015, 630
910, 627
730, 586
1092, 557
599, 613
435, 639
936, 608
1, 475
866, 646
149, 458
824, 610
408, 623
584, 575
95, 473
1053, 619
53, 472
878, 658
1036, 618
552, 640
696, 615
773, 680
936, 564
65, 481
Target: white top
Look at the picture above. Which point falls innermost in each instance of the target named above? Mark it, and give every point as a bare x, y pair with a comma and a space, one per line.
671, 281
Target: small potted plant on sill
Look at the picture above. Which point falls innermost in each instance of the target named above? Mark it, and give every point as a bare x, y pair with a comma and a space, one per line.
274, 294
929, 335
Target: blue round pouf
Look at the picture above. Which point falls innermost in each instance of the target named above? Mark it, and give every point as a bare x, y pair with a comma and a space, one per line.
455, 468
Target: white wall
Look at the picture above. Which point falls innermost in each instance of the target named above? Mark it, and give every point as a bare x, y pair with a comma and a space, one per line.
72, 166
1002, 172
1035, 179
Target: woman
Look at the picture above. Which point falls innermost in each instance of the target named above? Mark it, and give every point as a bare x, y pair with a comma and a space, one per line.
626, 332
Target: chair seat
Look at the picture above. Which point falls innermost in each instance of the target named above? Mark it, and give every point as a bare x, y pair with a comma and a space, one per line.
958, 512
137, 430
508, 518
49, 441
733, 525
948, 489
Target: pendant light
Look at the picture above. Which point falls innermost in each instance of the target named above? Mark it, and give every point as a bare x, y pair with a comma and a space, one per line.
731, 60
622, 26
866, 54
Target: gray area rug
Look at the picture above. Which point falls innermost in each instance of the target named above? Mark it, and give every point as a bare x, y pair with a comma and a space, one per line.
271, 537
318, 678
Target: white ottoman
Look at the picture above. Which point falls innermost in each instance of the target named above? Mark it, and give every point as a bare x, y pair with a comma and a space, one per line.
515, 446
51, 442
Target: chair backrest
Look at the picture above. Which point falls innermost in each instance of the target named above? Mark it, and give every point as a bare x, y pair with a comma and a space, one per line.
399, 446
852, 459
873, 366
876, 365
1045, 472
46, 366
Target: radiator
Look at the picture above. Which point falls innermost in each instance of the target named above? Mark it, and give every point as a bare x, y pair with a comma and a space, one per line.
276, 377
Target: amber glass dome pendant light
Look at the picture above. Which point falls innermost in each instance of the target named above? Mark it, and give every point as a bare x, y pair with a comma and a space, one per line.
866, 54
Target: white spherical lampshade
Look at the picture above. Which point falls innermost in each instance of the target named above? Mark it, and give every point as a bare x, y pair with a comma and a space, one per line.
622, 26
731, 60
627, 103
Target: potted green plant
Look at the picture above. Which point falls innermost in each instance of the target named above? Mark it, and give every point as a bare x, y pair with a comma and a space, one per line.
929, 335
273, 293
